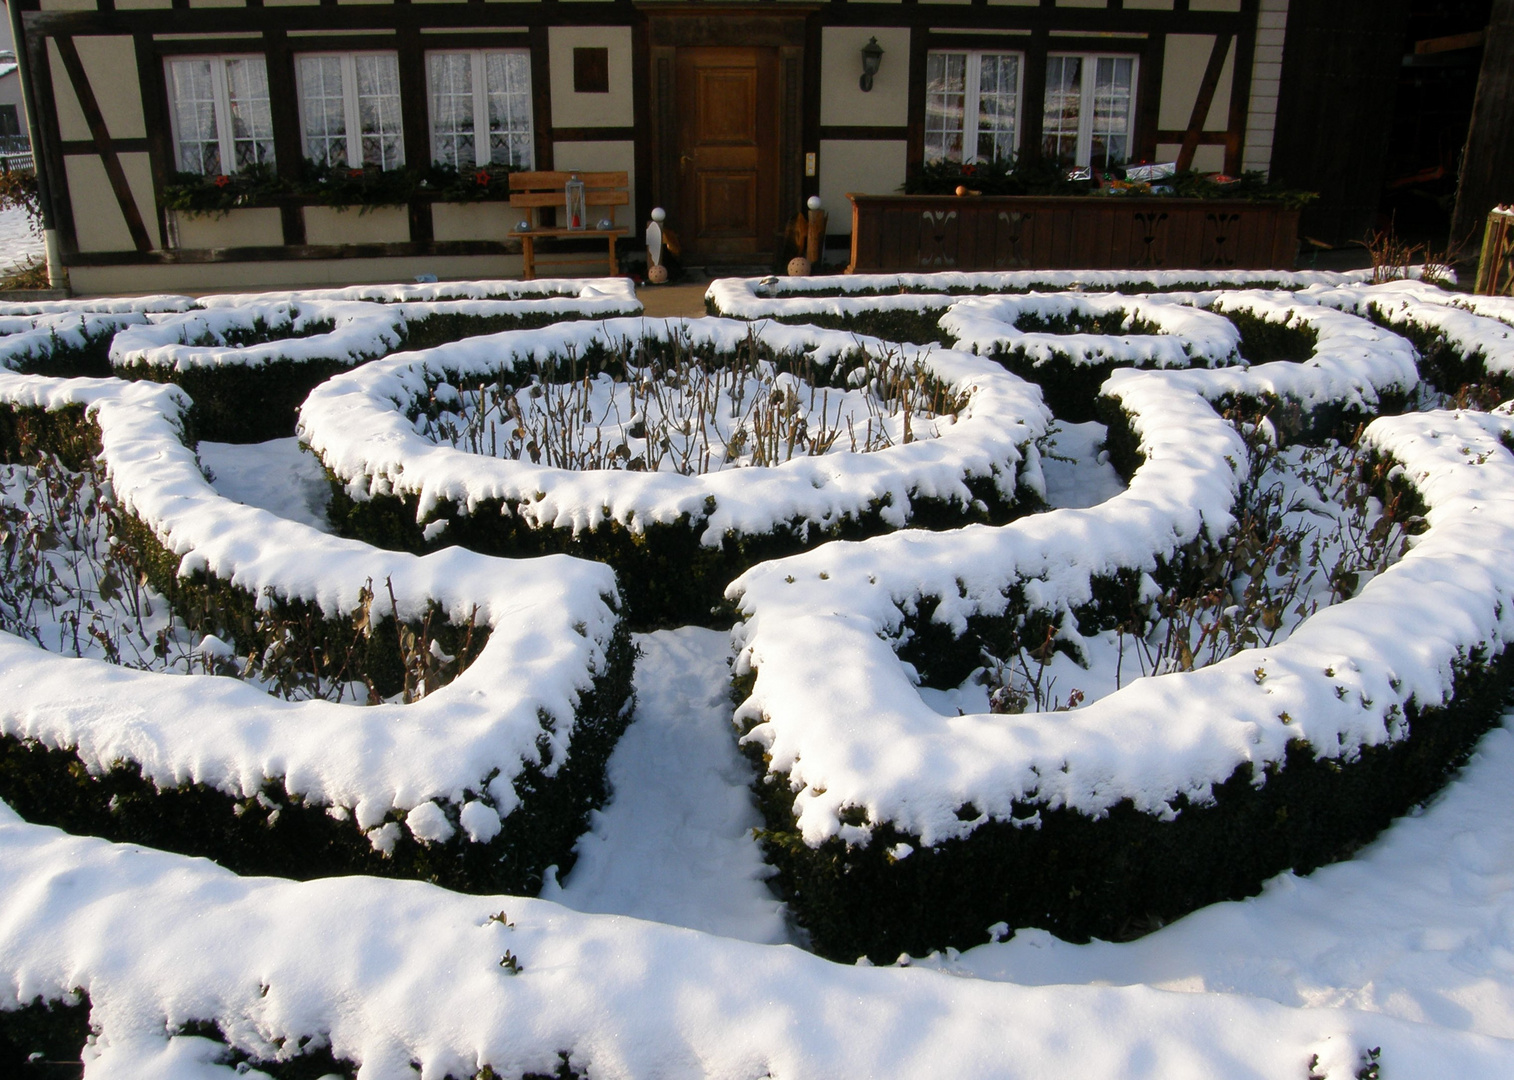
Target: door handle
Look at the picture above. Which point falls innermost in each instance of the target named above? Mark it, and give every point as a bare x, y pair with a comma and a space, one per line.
683, 160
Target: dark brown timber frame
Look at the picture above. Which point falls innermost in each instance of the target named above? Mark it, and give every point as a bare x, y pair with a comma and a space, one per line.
656, 28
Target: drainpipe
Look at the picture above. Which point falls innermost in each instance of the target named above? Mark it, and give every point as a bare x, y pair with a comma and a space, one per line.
55, 276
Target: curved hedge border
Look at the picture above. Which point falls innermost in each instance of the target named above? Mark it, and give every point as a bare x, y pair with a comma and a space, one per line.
248, 361
908, 307
72, 337
840, 798
214, 766
675, 541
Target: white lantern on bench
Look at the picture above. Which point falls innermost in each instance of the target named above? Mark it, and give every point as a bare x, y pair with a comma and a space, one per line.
577, 207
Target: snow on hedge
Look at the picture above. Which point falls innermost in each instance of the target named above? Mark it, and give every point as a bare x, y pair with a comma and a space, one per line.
406, 979
836, 709
295, 331
98, 305
549, 619
357, 423
1186, 335
861, 294
33, 339
1474, 325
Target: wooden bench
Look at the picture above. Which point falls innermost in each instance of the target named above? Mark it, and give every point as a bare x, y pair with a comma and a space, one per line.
537, 191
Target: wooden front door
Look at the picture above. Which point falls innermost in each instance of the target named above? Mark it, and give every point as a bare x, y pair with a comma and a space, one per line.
728, 150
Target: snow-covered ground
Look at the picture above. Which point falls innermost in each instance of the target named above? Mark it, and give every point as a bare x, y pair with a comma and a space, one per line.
1418, 927
17, 241
662, 953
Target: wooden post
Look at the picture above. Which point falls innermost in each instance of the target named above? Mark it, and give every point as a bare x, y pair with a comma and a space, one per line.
1495, 274
1487, 165
814, 245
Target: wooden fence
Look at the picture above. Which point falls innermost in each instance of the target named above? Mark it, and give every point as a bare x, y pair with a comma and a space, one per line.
945, 232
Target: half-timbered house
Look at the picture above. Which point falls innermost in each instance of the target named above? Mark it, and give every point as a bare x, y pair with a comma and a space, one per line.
727, 113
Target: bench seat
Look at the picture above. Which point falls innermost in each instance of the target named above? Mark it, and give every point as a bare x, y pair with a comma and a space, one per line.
604, 193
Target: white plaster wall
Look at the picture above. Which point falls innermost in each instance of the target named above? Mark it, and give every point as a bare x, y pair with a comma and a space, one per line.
602, 157
570, 109
475, 221
353, 225
874, 167
247, 227
842, 101
111, 66
98, 220
1183, 67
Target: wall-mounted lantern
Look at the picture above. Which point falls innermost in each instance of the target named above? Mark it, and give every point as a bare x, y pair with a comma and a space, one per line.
872, 57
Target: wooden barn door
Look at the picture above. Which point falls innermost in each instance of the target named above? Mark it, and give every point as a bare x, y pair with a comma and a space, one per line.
727, 144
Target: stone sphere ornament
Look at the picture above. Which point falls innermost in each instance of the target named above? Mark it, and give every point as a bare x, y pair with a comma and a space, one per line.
799, 266
657, 274
522, 226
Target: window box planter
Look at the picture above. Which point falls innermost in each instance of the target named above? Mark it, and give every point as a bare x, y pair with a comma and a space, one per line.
1015, 232
246, 227
340, 225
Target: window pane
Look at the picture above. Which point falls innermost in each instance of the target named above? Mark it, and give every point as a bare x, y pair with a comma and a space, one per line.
251, 117
378, 108
452, 109
507, 80
1113, 97
1064, 103
945, 105
194, 108
998, 93
324, 112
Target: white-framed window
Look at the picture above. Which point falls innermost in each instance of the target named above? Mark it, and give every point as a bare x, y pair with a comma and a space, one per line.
221, 118
1090, 109
481, 107
972, 105
350, 109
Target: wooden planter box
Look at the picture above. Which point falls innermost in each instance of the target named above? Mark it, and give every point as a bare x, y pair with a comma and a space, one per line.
921, 233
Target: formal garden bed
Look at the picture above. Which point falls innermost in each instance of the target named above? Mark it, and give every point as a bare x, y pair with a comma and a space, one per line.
1145, 590
678, 451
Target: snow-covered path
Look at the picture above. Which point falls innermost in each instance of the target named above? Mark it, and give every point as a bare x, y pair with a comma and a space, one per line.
674, 844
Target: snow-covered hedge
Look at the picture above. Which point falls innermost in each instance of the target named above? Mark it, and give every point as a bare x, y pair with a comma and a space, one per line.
675, 540
185, 970
247, 367
249, 360
907, 307
481, 784
895, 827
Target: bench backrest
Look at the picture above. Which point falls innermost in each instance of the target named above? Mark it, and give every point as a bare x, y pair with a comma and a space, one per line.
535, 191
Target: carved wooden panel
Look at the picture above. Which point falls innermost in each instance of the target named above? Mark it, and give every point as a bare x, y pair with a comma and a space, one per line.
923, 232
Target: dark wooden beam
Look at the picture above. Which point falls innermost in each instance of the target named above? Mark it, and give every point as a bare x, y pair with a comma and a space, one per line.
160, 148
1240, 95
107, 150
1487, 165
